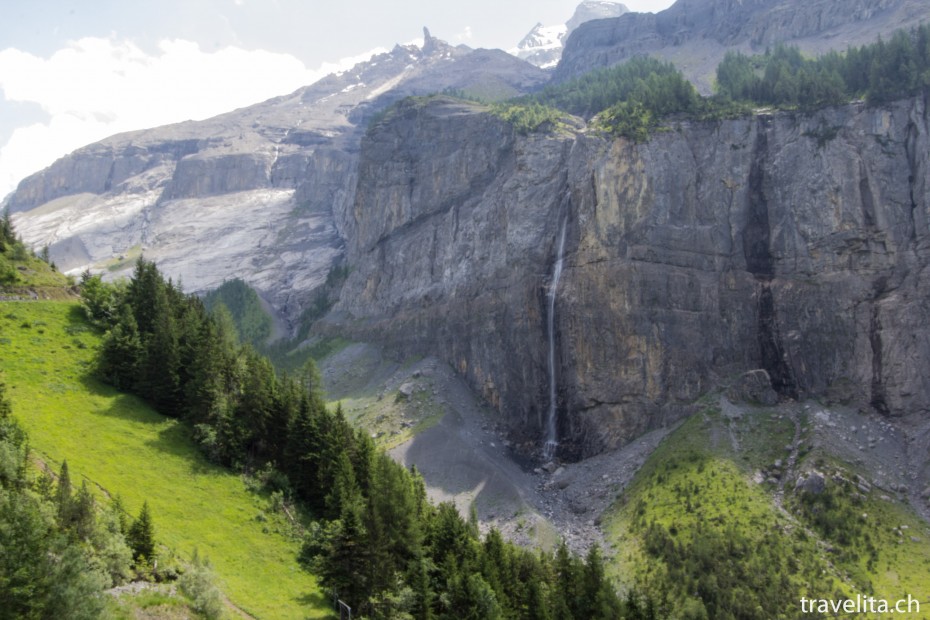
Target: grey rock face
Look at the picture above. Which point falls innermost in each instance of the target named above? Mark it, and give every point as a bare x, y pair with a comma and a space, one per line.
594, 9
259, 193
712, 250
695, 34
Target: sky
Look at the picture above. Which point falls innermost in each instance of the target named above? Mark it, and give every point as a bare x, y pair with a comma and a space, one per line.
76, 71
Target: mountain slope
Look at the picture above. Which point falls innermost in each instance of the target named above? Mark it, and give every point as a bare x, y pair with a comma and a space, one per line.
744, 494
695, 34
120, 445
255, 193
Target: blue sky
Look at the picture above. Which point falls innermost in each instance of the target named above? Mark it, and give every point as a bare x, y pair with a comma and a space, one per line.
75, 71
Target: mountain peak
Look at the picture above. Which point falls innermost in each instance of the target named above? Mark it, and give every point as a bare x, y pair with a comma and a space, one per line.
594, 9
542, 46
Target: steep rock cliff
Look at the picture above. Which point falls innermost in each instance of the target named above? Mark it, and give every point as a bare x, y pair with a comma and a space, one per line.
793, 243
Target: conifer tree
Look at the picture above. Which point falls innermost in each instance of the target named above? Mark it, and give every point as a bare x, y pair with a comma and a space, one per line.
119, 513
6, 409
83, 516
158, 380
64, 498
141, 537
122, 352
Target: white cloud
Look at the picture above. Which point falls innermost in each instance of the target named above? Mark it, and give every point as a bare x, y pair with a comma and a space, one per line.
348, 62
96, 87
465, 35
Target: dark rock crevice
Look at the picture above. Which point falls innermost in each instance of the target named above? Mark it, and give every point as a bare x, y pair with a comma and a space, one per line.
878, 394
910, 149
108, 184
761, 263
772, 352
756, 233
868, 200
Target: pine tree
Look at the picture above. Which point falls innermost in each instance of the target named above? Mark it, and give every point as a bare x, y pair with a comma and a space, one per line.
122, 352
567, 603
83, 516
599, 600
343, 563
419, 580
141, 537
64, 499
119, 513
6, 409
7, 234
158, 370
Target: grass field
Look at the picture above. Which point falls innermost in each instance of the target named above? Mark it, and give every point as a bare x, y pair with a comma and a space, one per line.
122, 446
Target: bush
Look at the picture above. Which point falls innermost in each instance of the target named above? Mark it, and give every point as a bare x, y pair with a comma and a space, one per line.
199, 584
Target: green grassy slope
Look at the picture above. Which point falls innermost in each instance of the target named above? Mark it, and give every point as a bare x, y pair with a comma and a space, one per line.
701, 529
121, 445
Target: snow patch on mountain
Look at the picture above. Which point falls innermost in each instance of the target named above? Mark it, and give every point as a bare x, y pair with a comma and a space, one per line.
542, 46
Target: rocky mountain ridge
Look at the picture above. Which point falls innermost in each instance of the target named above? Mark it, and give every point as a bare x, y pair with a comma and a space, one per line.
695, 34
267, 182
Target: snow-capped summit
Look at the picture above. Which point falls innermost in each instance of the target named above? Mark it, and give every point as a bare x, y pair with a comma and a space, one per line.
542, 46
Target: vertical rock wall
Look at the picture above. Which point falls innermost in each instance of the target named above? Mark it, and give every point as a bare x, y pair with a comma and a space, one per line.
793, 243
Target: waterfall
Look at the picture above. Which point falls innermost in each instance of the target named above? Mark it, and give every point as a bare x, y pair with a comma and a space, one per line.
552, 442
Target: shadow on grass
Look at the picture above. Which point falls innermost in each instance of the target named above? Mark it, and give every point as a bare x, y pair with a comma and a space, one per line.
124, 406
77, 318
317, 600
174, 437
177, 439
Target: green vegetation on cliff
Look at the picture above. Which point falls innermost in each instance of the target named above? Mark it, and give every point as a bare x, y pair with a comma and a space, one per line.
782, 77
23, 274
703, 532
632, 99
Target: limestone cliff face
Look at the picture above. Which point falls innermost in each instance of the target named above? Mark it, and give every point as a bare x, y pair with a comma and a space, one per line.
793, 243
454, 219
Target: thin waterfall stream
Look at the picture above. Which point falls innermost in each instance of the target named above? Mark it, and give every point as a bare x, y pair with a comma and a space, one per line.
552, 437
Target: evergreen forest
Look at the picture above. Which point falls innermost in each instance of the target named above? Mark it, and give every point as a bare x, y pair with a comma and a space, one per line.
374, 539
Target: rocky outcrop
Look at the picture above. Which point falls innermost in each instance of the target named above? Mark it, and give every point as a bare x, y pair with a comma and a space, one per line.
795, 244
695, 34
